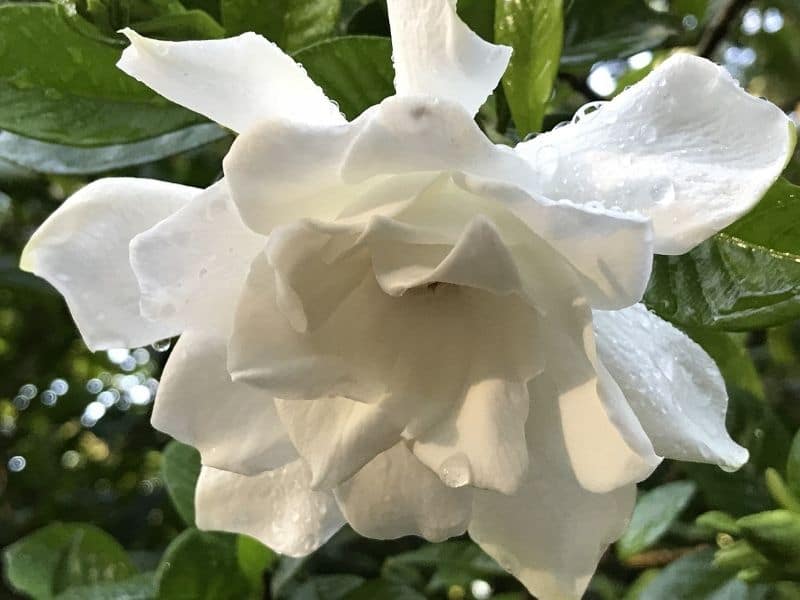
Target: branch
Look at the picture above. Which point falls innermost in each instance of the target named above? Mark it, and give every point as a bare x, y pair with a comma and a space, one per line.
718, 28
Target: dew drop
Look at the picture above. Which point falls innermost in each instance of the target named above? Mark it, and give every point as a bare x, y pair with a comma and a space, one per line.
455, 471
162, 345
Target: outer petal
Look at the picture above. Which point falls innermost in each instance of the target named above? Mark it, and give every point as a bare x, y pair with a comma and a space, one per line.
192, 265
276, 507
235, 82
685, 146
552, 532
673, 386
396, 495
337, 436
82, 250
235, 426
436, 54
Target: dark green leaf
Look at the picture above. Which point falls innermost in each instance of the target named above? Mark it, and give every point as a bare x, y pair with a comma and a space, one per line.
202, 566
385, 590
655, 512
189, 25
621, 28
69, 90
63, 555
180, 469
356, 71
693, 577
327, 587
56, 159
479, 16
138, 587
534, 29
747, 277
292, 24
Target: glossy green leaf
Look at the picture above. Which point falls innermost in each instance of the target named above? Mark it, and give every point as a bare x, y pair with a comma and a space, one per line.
355, 71
202, 566
254, 559
68, 90
693, 577
63, 555
655, 512
180, 469
292, 24
137, 587
57, 159
534, 29
746, 277
617, 30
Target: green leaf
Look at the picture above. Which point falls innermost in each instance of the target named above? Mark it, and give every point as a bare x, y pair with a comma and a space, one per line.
775, 534
62, 555
189, 25
254, 559
180, 469
292, 24
479, 16
202, 566
655, 512
455, 562
693, 577
289, 568
69, 90
57, 159
617, 30
793, 466
138, 587
385, 590
746, 277
534, 29
355, 71
731, 356
327, 587
716, 520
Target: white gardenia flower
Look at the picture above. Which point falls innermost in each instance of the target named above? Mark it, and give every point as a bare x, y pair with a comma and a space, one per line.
393, 322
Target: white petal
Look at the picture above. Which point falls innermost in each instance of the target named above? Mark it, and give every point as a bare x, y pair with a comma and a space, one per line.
482, 442
278, 508
396, 495
82, 250
192, 265
673, 386
436, 54
552, 532
235, 426
236, 81
686, 146
337, 436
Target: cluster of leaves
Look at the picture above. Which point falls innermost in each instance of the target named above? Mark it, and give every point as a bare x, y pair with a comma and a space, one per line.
104, 510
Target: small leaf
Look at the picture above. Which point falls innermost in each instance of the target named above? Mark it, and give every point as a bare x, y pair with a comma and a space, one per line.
63, 555
693, 577
292, 24
354, 71
746, 277
775, 534
189, 25
254, 559
69, 90
534, 29
793, 466
202, 566
716, 520
180, 469
655, 512
56, 159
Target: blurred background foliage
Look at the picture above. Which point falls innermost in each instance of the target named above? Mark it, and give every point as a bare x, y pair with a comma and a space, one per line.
95, 504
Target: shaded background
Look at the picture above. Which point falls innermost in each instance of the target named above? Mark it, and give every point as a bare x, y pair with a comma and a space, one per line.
75, 440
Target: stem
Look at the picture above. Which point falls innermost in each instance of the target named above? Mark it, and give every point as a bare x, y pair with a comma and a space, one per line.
718, 27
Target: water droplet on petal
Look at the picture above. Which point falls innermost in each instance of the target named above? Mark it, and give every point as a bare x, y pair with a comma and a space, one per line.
455, 471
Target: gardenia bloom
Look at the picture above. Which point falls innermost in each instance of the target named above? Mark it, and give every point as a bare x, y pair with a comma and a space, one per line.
396, 324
